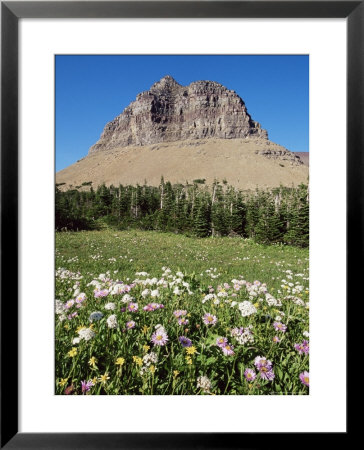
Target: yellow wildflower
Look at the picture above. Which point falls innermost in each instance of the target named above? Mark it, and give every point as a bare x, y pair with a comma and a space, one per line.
63, 381
191, 350
152, 369
188, 360
256, 304
175, 373
92, 362
94, 380
138, 360
146, 348
145, 329
120, 361
81, 327
72, 352
104, 378
66, 326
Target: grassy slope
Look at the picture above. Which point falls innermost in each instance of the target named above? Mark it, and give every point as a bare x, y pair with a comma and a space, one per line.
234, 160
148, 251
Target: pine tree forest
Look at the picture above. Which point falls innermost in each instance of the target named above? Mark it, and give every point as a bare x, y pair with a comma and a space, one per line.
269, 216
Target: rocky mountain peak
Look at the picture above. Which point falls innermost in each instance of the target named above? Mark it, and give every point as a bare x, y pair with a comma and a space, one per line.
170, 112
165, 83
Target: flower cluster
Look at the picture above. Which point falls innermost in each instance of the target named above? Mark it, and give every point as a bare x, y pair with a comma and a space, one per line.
247, 308
204, 384
217, 346
243, 335
304, 347
265, 368
153, 306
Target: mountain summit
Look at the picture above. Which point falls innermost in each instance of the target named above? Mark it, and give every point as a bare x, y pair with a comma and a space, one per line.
197, 132
170, 112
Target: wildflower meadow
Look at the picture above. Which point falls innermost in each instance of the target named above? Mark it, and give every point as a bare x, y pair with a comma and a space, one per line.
148, 313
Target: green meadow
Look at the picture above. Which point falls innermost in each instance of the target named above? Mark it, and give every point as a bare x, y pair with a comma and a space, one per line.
149, 313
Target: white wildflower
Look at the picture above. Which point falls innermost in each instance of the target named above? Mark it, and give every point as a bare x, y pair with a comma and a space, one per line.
86, 333
150, 358
59, 307
111, 321
110, 306
204, 383
160, 328
247, 308
222, 294
127, 298
208, 297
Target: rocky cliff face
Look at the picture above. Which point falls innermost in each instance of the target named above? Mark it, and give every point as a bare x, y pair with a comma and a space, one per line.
170, 112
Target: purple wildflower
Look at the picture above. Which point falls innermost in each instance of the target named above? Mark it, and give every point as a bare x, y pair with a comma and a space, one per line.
86, 385
101, 293
130, 325
302, 348
266, 374
305, 378
185, 341
276, 339
265, 368
221, 342
69, 304
159, 338
182, 321
153, 306
278, 326
250, 375
179, 312
228, 350
260, 362
209, 319
133, 307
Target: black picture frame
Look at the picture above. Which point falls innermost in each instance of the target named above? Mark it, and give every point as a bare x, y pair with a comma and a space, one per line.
11, 12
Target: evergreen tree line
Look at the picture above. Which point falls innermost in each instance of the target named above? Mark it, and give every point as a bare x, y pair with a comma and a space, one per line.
279, 215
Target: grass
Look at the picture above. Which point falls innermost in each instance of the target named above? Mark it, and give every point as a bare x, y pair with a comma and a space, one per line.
148, 251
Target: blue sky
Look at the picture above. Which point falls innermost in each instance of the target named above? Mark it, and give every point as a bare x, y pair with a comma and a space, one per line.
91, 90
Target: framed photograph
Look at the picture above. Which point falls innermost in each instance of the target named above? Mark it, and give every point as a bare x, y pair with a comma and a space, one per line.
170, 255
